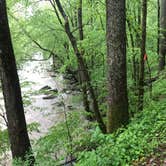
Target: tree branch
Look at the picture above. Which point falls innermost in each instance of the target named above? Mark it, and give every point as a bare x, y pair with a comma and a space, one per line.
56, 12
34, 41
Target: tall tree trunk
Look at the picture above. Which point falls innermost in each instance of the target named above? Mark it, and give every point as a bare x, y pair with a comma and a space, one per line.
80, 26
83, 67
162, 49
143, 52
116, 58
158, 26
139, 13
19, 140
138, 41
82, 79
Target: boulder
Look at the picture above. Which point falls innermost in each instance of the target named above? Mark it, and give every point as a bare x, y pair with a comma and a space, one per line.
45, 87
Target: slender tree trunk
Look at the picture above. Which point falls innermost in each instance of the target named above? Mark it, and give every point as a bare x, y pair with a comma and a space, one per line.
82, 79
116, 58
139, 13
138, 42
135, 40
134, 66
138, 23
18, 136
162, 49
81, 34
143, 52
83, 67
158, 26
91, 19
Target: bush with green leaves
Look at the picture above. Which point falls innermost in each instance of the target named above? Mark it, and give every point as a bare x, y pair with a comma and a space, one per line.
145, 132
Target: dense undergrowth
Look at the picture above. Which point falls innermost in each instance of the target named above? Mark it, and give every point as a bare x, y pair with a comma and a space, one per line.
145, 132
128, 146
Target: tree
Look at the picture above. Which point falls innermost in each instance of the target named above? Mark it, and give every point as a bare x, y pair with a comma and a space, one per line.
82, 66
18, 136
116, 58
142, 61
158, 26
82, 79
162, 40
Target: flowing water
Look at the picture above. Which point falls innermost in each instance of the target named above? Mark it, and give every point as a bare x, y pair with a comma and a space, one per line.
42, 109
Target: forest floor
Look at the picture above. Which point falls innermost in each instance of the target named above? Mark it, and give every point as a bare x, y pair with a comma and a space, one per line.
142, 143
157, 158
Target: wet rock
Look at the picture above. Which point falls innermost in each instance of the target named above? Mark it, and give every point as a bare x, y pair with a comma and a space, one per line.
64, 90
53, 75
49, 97
60, 104
45, 87
68, 92
70, 107
54, 90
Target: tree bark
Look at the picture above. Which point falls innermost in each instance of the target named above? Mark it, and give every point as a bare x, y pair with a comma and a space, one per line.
80, 25
17, 129
143, 52
116, 59
162, 41
82, 79
158, 26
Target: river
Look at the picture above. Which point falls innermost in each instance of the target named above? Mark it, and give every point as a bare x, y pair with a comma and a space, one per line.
41, 108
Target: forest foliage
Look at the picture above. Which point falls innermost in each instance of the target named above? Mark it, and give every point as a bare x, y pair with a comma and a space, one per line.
35, 28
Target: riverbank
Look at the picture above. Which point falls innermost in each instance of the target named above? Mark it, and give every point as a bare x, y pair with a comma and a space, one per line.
45, 94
